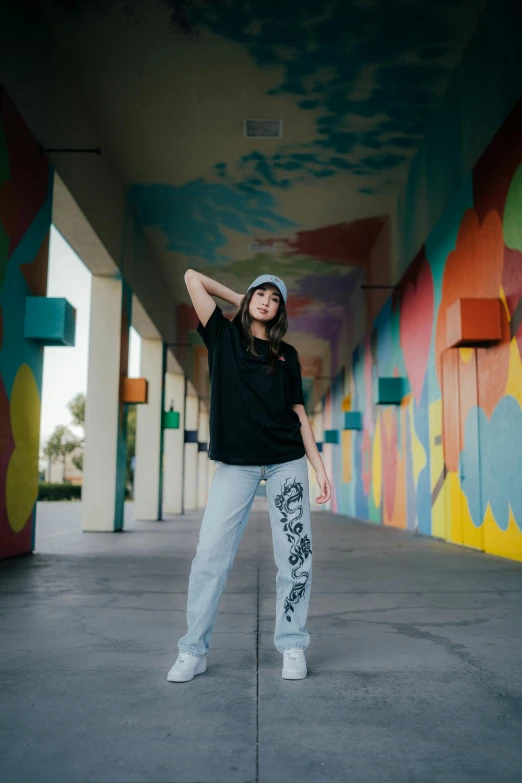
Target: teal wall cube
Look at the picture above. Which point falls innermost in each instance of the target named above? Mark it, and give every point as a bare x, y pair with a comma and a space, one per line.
171, 420
390, 391
353, 420
331, 436
319, 446
51, 321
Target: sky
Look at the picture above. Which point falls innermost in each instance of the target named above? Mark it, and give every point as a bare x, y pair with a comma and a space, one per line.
65, 369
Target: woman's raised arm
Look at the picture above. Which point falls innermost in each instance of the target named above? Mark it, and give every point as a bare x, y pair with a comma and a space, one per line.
201, 290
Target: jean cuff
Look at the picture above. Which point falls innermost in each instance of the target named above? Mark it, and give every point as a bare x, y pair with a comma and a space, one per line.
191, 652
294, 646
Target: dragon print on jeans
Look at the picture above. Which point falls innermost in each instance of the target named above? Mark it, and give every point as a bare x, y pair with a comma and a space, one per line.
289, 503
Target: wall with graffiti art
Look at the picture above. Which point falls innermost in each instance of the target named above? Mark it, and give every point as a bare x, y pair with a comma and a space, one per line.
25, 219
445, 460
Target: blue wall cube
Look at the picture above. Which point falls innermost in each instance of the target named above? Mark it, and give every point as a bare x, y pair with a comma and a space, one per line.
353, 420
51, 321
390, 391
331, 436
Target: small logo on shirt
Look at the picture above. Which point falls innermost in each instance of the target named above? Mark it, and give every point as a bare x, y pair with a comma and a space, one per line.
282, 359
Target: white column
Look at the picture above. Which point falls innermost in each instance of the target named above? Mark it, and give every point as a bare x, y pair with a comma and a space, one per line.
191, 456
203, 460
173, 446
101, 406
148, 434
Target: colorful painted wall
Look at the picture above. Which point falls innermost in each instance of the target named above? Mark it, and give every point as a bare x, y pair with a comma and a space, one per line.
25, 219
446, 462
480, 94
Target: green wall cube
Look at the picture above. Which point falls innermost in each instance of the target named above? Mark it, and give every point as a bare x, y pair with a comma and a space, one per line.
331, 436
170, 420
50, 320
353, 420
390, 391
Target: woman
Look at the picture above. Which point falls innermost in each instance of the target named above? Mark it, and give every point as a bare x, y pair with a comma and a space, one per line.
258, 430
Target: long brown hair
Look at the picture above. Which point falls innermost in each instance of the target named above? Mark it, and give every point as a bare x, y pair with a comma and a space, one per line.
275, 329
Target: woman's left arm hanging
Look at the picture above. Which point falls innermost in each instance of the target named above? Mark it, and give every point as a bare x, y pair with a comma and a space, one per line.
312, 452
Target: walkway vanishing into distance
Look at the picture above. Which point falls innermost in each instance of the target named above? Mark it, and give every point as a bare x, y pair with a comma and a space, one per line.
415, 664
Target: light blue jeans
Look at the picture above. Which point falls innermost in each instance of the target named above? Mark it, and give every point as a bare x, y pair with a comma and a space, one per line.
226, 514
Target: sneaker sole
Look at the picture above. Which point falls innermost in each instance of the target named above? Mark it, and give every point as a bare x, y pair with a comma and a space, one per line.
294, 675
178, 677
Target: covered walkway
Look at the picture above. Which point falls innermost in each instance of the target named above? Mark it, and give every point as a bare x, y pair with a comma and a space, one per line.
414, 667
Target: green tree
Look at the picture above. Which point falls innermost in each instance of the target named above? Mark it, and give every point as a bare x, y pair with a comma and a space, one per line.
77, 410
61, 443
131, 442
77, 460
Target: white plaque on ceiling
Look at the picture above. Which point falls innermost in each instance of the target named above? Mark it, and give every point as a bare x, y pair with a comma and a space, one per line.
263, 129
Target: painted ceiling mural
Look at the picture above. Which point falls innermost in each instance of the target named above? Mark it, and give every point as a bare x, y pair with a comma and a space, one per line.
355, 83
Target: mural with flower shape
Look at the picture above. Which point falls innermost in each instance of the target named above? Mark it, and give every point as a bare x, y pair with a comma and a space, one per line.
444, 461
25, 219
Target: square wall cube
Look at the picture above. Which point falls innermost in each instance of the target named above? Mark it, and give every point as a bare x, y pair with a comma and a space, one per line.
331, 436
353, 420
50, 320
471, 322
390, 391
171, 420
134, 391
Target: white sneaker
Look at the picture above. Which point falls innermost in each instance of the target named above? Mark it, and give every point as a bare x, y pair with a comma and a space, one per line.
294, 664
186, 667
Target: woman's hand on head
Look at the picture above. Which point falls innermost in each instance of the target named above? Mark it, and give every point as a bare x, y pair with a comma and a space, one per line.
324, 486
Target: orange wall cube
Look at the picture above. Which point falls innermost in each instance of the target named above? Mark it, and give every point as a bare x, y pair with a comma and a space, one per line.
472, 322
134, 390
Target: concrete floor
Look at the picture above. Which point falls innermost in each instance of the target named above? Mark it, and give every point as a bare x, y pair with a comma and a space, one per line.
415, 664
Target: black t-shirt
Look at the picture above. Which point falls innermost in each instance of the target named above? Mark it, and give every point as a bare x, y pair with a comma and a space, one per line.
252, 421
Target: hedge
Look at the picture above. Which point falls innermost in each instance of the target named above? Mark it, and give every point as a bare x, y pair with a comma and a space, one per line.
66, 492
59, 491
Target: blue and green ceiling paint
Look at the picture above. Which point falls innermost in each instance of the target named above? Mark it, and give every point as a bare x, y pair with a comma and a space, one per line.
372, 71
368, 72
194, 216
